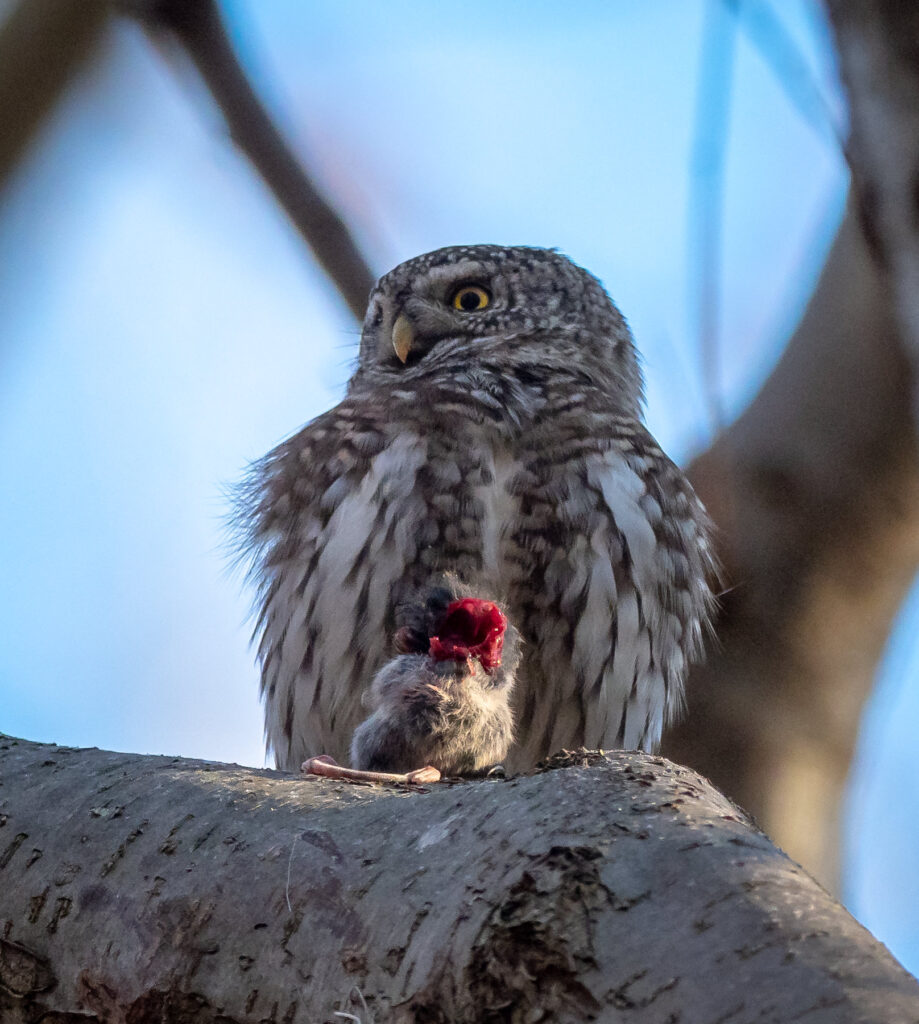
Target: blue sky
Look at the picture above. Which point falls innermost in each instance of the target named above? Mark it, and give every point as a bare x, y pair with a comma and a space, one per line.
164, 324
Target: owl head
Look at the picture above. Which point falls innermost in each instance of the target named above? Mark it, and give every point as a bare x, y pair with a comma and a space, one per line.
515, 308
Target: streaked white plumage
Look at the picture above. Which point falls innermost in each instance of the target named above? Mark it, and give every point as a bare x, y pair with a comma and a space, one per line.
508, 451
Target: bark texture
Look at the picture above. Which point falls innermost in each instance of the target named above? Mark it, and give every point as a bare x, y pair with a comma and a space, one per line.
148, 889
815, 491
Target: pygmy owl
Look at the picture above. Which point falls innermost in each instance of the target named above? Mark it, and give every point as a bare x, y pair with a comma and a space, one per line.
492, 431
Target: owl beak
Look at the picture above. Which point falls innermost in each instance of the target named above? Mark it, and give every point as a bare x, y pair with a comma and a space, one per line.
403, 337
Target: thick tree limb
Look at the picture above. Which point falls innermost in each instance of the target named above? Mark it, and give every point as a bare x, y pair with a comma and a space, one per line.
43, 44
146, 889
198, 26
815, 490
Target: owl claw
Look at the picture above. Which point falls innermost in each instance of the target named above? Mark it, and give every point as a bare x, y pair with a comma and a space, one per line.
420, 775
327, 767
318, 759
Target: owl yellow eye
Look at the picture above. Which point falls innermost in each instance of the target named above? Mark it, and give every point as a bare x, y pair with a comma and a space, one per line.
470, 298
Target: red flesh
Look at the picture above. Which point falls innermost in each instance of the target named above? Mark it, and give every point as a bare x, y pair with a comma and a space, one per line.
471, 628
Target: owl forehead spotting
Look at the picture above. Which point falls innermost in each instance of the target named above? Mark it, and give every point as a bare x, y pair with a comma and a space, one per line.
523, 303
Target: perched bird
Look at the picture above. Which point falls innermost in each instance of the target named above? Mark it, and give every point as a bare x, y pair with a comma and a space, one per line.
492, 430
444, 701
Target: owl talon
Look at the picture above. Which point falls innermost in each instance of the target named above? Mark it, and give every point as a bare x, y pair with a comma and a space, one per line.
328, 768
307, 766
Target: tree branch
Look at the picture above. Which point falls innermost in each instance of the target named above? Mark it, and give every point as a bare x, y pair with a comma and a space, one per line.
878, 46
815, 490
816, 487
142, 888
198, 26
43, 44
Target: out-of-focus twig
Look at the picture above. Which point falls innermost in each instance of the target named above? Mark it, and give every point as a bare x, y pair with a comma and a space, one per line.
713, 101
197, 24
764, 28
43, 44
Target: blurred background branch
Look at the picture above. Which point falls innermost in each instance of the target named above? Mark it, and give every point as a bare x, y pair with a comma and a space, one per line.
815, 491
706, 203
878, 46
198, 26
43, 45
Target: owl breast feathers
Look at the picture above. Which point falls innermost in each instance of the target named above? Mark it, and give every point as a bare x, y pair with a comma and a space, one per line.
491, 432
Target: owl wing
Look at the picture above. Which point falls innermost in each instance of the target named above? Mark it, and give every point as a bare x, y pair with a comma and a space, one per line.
616, 589
317, 513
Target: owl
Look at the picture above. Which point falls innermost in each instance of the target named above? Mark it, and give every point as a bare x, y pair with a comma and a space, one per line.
492, 432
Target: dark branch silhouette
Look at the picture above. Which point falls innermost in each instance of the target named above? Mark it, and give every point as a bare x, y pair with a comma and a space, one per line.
198, 26
43, 45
